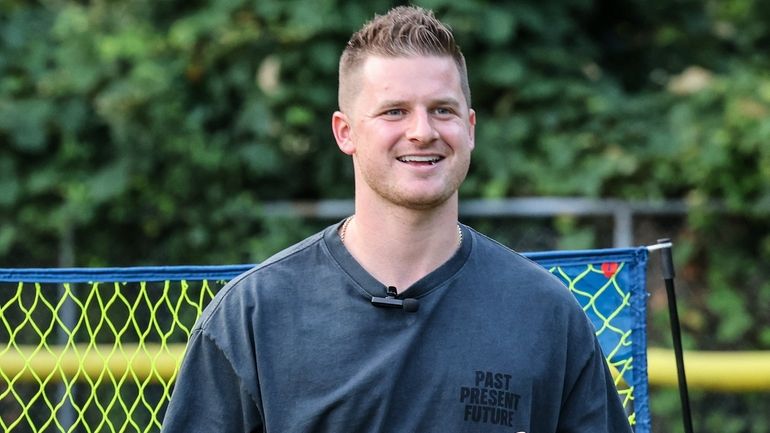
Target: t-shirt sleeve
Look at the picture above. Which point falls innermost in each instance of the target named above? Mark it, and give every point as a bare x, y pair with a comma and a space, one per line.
593, 404
208, 395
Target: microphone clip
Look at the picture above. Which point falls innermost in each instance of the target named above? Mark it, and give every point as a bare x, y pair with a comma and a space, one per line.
390, 301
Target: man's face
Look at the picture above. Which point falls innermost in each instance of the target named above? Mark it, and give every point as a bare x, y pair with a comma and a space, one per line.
409, 130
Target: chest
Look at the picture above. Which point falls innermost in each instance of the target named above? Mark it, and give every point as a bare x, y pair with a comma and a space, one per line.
415, 373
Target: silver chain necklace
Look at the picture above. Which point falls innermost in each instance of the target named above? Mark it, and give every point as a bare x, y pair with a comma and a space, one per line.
350, 218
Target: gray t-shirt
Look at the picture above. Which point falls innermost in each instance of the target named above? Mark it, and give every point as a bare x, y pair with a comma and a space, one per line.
295, 345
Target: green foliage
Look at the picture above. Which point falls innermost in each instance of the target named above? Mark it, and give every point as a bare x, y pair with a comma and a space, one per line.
150, 132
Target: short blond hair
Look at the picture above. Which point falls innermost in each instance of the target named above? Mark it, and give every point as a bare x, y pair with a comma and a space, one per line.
405, 31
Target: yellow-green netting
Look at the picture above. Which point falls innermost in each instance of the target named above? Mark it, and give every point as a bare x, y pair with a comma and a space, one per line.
604, 319
93, 356
97, 350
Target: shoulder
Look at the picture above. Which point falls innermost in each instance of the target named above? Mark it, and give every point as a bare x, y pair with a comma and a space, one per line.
536, 291
490, 249
498, 261
516, 282
284, 269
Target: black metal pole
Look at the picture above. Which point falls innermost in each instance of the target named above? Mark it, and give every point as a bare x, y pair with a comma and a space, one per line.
667, 268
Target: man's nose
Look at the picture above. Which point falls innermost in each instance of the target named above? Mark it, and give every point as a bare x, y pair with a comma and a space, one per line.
421, 128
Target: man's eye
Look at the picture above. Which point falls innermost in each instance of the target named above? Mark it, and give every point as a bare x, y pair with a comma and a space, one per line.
443, 110
394, 112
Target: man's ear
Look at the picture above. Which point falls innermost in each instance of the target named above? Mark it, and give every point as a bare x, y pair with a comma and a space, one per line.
343, 132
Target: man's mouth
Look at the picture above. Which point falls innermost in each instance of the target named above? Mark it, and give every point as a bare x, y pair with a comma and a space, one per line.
420, 159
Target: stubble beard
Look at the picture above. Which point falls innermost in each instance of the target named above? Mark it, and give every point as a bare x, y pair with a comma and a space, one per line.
392, 193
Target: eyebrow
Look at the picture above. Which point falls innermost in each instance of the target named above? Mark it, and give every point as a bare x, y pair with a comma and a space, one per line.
448, 101
388, 103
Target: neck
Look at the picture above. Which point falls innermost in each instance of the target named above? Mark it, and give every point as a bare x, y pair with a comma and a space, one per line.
401, 246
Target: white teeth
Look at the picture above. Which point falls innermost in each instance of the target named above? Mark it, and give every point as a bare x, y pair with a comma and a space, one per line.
418, 158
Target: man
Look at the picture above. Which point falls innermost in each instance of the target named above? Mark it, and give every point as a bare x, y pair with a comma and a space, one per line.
398, 319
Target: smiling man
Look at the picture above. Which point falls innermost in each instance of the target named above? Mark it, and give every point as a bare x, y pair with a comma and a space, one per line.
398, 318
407, 125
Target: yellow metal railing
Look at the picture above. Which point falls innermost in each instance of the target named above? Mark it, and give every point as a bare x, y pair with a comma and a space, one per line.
736, 371
153, 362
715, 371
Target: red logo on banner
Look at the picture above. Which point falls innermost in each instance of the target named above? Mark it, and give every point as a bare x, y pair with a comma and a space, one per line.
609, 269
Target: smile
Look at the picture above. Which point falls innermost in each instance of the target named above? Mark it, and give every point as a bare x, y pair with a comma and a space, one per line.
420, 159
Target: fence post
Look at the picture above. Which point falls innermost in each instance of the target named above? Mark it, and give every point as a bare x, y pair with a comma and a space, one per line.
68, 316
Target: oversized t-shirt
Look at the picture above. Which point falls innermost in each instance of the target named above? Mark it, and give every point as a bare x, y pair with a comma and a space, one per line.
295, 345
